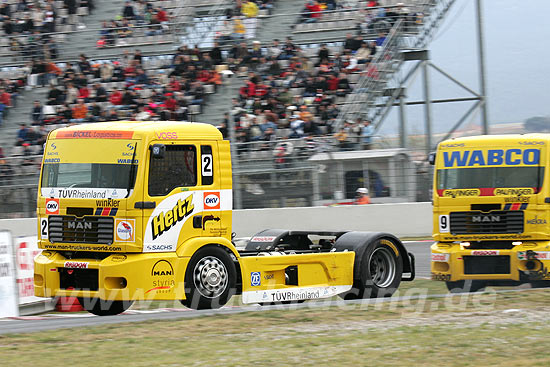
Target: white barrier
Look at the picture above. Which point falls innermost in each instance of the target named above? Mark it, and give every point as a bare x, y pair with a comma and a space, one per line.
402, 220
8, 294
26, 248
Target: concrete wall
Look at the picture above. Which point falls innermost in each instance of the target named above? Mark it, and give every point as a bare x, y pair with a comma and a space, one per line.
403, 220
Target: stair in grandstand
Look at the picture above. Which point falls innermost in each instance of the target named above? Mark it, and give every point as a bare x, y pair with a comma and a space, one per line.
378, 88
220, 102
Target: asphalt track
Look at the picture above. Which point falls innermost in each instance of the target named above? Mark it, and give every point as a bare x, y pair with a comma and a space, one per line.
420, 249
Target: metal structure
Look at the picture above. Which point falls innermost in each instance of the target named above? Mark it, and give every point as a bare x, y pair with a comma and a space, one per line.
386, 84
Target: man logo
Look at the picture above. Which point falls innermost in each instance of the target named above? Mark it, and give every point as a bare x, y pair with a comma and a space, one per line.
52, 206
211, 200
162, 268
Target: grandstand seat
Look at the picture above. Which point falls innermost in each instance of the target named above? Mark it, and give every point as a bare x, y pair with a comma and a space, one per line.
209, 88
82, 11
194, 109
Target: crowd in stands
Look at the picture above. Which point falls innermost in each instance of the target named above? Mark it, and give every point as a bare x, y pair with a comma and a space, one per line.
122, 89
288, 93
141, 13
30, 25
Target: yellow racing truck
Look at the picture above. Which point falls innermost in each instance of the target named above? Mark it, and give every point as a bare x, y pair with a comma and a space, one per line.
143, 211
491, 206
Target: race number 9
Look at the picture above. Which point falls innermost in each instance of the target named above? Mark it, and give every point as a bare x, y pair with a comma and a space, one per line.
444, 224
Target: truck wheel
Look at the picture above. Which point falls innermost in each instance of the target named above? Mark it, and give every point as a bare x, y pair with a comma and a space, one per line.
465, 286
381, 271
102, 307
209, 279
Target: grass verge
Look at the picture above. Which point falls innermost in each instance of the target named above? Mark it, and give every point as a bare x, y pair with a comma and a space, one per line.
505, 329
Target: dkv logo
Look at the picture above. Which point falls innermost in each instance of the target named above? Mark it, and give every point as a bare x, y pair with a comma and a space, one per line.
211, 200
52, 206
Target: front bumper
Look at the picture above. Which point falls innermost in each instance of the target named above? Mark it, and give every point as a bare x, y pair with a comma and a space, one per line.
154, 276
529, 261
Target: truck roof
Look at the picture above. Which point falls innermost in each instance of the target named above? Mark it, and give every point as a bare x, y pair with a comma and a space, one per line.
495, 139
183, 129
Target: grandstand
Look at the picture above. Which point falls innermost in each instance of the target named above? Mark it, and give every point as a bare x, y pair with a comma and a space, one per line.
313, 97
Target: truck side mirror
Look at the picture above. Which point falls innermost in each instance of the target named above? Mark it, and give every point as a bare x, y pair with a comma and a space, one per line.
431, 158
157, 150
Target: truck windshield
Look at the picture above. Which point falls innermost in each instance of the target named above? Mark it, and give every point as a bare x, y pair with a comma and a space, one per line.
89, 176
490, 177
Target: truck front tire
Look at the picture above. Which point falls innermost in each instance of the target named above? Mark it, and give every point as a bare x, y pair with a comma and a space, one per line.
380, 273
210, 279
102, 307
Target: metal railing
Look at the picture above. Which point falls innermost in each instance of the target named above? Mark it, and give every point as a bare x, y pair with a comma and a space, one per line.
370, 99
278, 173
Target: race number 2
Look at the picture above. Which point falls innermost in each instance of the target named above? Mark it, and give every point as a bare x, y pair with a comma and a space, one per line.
207, 164
44, 228
444, 224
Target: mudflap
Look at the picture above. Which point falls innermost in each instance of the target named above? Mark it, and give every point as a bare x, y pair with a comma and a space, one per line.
412, 273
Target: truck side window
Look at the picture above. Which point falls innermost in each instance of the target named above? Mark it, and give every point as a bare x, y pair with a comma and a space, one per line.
178, 168
207, 171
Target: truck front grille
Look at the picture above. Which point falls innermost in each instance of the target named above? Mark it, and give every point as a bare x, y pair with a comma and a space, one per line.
88, 229
491, 222
79, 279
499, 264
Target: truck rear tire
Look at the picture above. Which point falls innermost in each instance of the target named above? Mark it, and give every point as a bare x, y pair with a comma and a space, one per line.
209, 279
102, 307
466, 286
380, 273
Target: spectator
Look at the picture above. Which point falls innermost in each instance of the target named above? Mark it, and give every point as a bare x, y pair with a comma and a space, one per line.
224, 124
55, 96
37, 113
71, 93
80, 111
362, 196
5, 102
100, 93
216, 54
128, 11
250, 11
71, 10
342, 138
116, 97
367, 132
22, 135
113, 115
239, 30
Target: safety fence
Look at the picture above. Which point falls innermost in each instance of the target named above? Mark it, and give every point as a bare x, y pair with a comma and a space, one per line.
303, 172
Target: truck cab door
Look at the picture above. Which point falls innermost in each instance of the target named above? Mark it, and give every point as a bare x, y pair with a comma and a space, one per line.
170, 196
212, 196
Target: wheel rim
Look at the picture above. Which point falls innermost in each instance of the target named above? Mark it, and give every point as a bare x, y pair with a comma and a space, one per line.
382, 267
210, 277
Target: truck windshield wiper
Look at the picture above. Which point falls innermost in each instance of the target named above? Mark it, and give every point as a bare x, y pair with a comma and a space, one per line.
132, 169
